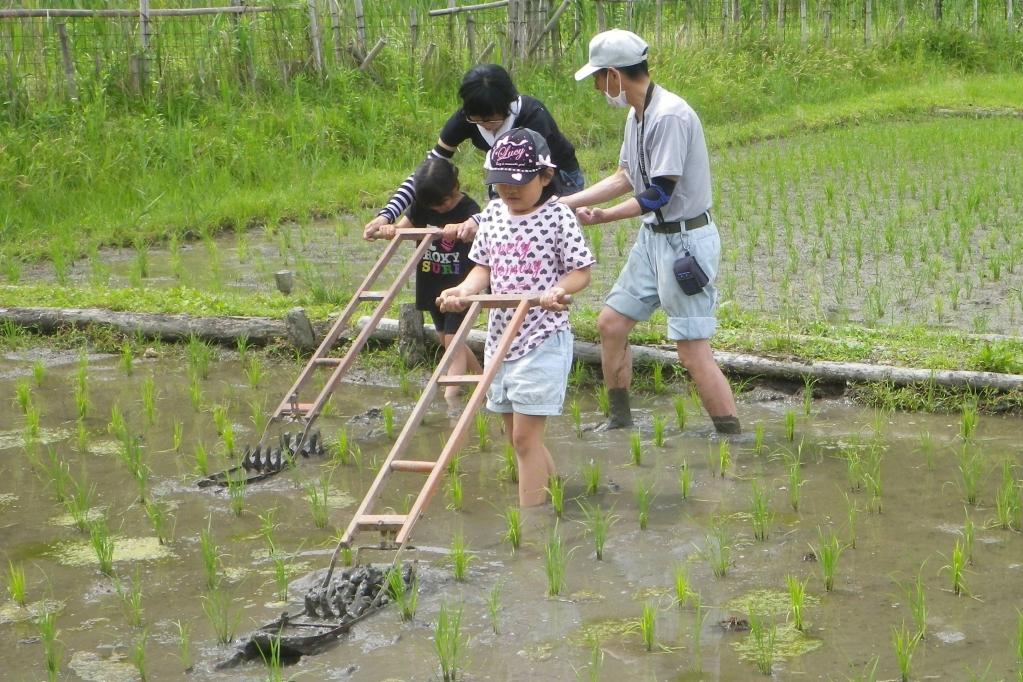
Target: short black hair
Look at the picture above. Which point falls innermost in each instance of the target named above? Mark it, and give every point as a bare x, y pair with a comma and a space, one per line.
435, 180
550, 190
634, 71
487, 91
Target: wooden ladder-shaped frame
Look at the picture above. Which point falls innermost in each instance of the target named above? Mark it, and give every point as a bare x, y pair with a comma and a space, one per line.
290, 409
396, 528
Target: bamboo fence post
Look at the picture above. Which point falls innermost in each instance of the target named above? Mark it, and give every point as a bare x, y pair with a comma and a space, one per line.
601, 19
804, 24
145, 36
781, 16
1009, 15
485, 54
12, 89
629, 17
555, 18
314, 37
413, 38
726, 6
827, 23
868, 21
364, 66
69, 64
451, 23
470, 37
765, 14
901, 21
938, 10
976, 18
360, 26
736, 13
335, 29
658, 17
520, 38
430, 49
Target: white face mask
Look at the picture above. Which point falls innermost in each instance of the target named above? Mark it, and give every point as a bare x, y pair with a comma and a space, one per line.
618, 101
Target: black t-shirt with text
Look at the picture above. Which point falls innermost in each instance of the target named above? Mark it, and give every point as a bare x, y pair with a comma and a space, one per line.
446, 263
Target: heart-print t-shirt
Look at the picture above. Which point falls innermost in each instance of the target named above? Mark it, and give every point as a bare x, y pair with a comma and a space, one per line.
528, 254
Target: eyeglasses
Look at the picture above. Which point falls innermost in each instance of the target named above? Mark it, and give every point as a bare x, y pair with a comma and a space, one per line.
485, 121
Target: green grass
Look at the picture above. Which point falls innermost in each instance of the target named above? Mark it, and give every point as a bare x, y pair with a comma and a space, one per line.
16, 582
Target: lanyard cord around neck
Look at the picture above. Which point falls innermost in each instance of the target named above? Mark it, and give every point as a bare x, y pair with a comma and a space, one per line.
641, 135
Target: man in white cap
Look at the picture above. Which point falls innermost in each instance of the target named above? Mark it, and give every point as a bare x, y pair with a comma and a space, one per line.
665, 168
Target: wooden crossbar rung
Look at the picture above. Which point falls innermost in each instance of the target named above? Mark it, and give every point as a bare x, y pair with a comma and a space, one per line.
381, 521
459, 379
413, 466
372, 296
300, 408
328, 362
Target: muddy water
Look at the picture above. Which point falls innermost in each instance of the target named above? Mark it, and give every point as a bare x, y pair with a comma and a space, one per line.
537, 637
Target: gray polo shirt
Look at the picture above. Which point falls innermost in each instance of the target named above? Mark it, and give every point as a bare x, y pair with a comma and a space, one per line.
673, 145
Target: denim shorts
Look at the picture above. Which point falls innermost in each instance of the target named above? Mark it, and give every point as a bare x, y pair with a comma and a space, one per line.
535, 383
647, 282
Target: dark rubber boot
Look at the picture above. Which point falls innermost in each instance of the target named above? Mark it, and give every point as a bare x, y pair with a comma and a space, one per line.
728, 425
621, 413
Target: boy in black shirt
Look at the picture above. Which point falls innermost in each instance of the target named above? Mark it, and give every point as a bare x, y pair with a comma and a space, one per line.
439, 201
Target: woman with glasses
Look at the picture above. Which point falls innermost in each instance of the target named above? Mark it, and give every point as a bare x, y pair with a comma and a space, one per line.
491, 106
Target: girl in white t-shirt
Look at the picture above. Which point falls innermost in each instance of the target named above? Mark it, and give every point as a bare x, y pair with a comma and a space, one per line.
527, 243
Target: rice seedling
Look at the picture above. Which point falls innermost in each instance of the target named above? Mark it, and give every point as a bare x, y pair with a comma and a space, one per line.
699, 621
684, 591
636, 448
956, 569
927, 448
38, 372
657, 378
81, 388
555, 563
494, 605
591, 476
210, 554
556, 489
195, 395
347, 556
644, 495
23, 395
595, 236
808, 384
758, 438
679, 403
603, 400
47, 626
482, 430
647, 624
718, 551
272, 660
32, 419
578, 375
621, 240
254, 372
763, 637
597, 522
659, 423
905, 645
575, 411
794, 464
131, 599
16, 582
509, 468
447, 640
917, 598
149, 399
199, 357
216, 604
103, 545
160, 518
58, 475
852, 511
117, 427
201, 459
341, 448
127, 359
1007, 499
184, 645
405, 596
455, 492
854, 469
388, 414
460, 557
1019, 642
827, 551
81, 435
760, 512
513, 527
316, 493
282, 576
872, 478
685, 479
971, 471
968, 420
797, 600
790, 425
968, 536
724, 457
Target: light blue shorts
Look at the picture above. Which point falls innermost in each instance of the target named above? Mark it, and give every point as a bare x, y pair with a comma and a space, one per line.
535, 383
648, 281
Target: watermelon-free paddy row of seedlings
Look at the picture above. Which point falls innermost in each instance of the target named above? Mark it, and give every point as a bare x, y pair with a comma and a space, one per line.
217, 604
459, 557
317, 492
828, 551
591, 477
763, 636
597, 522
760, 511
52, 651
406, 596
905, 642
555, 562
513, 527
644, 496
131, 599
16, 582
447, 639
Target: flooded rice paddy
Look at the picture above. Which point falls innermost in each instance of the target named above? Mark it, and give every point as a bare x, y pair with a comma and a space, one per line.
904, 496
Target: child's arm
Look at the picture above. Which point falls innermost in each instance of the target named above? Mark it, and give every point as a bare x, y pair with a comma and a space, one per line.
386, 231
572, 283
453, 300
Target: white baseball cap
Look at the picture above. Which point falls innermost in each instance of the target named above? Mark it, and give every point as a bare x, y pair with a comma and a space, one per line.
613, 49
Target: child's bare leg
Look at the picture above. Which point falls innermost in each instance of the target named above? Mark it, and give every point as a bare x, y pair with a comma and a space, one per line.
463, 363
536, 465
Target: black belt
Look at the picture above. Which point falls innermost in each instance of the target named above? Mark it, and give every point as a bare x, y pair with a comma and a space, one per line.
699, 221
